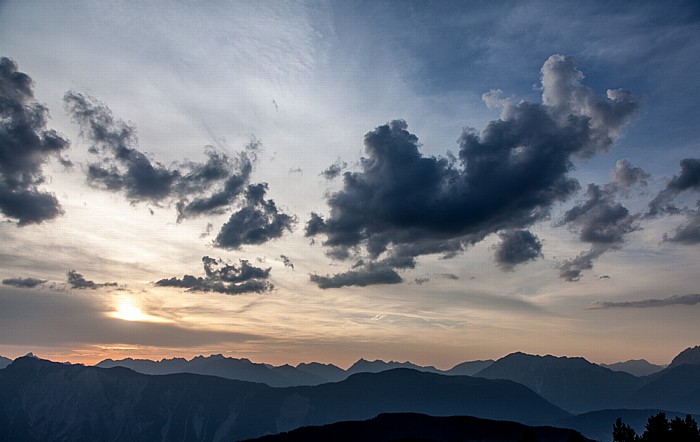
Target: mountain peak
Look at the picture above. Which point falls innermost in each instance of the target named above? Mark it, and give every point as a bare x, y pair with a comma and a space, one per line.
690, 355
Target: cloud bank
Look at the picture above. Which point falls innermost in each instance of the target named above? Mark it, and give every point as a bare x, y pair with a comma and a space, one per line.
402, 204
25, 146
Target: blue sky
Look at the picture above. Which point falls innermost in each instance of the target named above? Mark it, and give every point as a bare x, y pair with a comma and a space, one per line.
425, 249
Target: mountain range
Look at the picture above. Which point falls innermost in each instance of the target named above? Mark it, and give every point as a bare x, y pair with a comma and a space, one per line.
44, 400
60, 401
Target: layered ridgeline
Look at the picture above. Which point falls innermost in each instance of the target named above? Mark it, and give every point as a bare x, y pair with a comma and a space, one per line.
636, 367
277, 376
44, 400
578, 386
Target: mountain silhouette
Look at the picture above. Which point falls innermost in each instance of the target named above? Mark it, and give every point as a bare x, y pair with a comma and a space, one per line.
218, 365
469, 368
573, 384
419, 427
687, 356
365, 366
4, 362
43, 400
675, 388
635, 367
329, 372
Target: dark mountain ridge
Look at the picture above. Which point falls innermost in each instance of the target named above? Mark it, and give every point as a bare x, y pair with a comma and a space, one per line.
572, 383
44, 400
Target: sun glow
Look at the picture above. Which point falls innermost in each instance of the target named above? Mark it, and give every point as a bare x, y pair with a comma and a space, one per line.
127, 311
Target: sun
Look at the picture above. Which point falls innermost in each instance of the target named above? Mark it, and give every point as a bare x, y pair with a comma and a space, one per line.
127, 311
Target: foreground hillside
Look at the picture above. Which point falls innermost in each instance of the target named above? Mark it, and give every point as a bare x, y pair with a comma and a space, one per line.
50, 401
419, 427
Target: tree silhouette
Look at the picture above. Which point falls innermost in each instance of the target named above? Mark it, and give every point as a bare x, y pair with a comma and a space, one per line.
659, 429
623, 432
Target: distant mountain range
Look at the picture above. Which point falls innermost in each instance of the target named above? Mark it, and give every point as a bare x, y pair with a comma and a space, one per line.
636, 367
419, 427
244, 370
4, 362
44, 400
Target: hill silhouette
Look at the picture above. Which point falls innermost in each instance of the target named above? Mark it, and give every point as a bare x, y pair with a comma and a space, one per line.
419, 427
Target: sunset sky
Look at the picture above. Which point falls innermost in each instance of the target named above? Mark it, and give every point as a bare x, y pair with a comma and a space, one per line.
323, 181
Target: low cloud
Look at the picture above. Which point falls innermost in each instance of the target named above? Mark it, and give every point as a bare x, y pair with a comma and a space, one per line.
334, 170
230, 279
25, 146
366, 274
257, 222
287, 262
212, 187
601, 222
77, 281
517, 247
403, 204
687, 179
687, 234
121, 166
625, 176
23, 282
646, 303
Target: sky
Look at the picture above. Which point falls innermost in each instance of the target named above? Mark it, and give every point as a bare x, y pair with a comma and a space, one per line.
321, 181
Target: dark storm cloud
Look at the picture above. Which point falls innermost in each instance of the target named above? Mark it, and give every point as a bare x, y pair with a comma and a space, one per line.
23, 282
334, 170
77, 281
368, 274
287, 262
257, 222
626, 176
404, 204
25, 146
601, 222
224, 278
517, 247
671, 300
688, 179
421, 281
